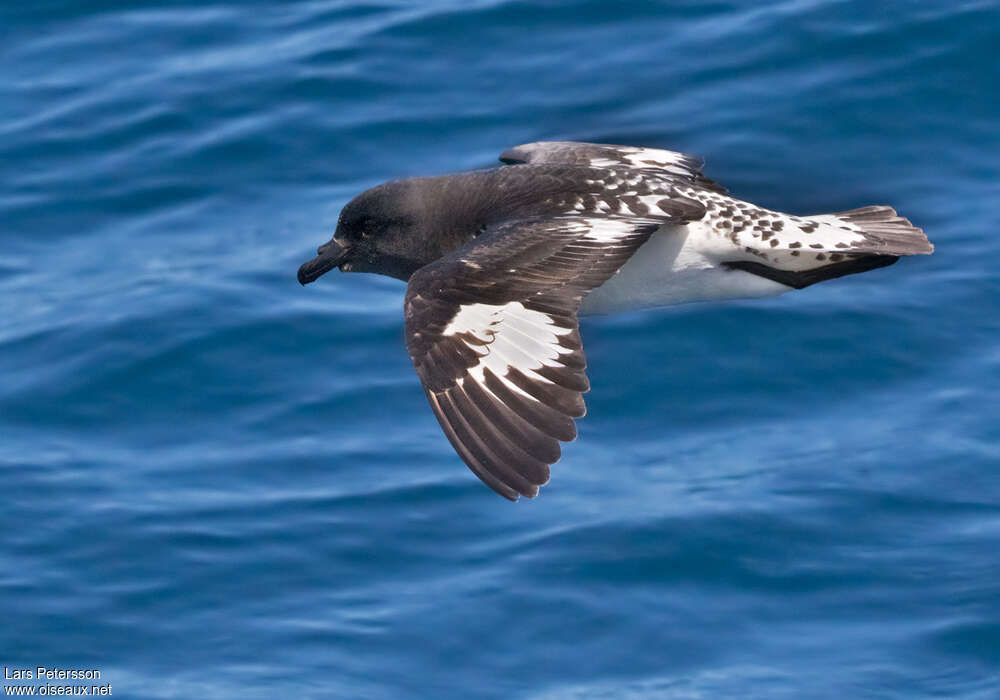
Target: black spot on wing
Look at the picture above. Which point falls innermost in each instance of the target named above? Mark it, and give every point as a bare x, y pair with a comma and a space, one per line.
682, 208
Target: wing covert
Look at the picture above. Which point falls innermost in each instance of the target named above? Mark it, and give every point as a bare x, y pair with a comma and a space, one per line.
684, 167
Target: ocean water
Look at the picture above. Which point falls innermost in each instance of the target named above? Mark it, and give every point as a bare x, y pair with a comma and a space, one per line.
219, 484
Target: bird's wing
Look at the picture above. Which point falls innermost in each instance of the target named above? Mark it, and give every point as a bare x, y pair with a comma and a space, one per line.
684, 167
492, 329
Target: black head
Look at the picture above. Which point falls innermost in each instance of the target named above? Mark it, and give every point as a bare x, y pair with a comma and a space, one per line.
381, 230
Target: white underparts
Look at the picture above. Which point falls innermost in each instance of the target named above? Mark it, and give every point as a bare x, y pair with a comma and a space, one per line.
679, 264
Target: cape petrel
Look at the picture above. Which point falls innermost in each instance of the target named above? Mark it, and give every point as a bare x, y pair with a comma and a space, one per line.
500, 262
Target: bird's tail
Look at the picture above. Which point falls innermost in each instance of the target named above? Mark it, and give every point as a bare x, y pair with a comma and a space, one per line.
885, 232
812, 249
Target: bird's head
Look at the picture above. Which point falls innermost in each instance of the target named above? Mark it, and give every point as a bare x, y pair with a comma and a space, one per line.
380, 231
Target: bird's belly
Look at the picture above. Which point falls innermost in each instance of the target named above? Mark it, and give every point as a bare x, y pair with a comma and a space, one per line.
677, 265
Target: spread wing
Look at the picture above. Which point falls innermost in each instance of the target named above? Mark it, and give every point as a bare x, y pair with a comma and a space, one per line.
684, 167
492, 330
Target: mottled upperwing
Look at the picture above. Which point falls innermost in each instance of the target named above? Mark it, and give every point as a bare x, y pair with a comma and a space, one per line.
683, 168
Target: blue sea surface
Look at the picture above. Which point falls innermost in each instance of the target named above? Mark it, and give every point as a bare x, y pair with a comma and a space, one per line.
219, 484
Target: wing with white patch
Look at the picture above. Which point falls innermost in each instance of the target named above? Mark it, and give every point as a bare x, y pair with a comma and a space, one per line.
686, 168
492, 330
